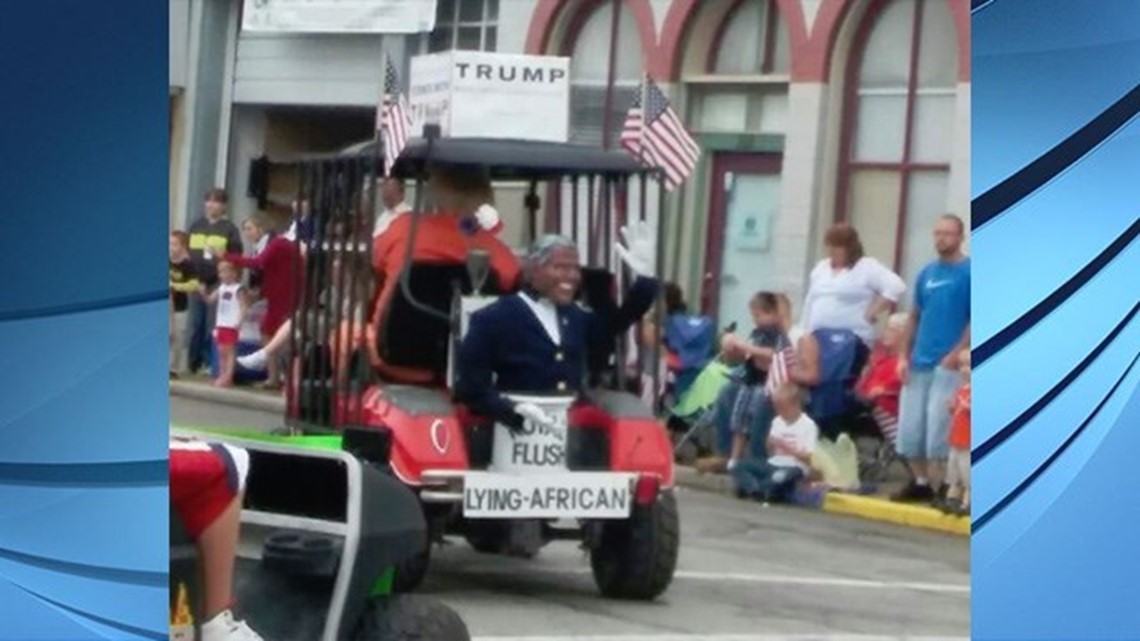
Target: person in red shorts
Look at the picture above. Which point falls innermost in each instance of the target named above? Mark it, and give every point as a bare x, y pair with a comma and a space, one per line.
463, 219
280, 266
229, 297
206, 485
958, 465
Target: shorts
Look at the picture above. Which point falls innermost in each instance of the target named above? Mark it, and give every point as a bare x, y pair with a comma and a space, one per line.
205, 478
924, 414
226, 336
958, 468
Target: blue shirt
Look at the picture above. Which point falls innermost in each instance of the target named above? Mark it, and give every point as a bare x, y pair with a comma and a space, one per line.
942, 298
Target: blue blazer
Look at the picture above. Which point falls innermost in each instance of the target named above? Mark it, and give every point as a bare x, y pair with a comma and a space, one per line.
507, 349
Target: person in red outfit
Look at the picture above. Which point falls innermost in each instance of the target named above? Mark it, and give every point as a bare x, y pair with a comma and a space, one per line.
462, 199
280, 266
206, 485
880, 384
958, 473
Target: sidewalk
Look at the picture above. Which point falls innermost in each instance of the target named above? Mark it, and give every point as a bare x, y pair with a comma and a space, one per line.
875, 507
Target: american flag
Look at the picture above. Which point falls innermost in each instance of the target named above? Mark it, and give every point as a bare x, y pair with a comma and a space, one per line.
779, 372
395, 120
657, 137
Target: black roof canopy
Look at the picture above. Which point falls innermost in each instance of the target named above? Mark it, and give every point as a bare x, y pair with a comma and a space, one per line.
507, 158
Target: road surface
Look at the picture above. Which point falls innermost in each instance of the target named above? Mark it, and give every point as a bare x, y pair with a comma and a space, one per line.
746, 573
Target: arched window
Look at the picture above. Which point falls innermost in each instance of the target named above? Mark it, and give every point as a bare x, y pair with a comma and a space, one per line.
753, 40
589, 48
897, 132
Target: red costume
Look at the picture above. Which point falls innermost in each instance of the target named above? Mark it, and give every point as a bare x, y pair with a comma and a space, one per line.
280, 266
205, 478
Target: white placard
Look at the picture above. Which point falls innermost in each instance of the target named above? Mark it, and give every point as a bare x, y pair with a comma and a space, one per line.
534, 448
475, 94
585, 495
339, 16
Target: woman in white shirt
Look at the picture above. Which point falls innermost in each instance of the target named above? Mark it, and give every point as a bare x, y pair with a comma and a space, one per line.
847, 290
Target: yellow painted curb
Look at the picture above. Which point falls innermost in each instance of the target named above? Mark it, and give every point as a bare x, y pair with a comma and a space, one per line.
877, 509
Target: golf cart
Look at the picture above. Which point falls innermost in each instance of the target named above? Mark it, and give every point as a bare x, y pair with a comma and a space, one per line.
606, 478
321, 534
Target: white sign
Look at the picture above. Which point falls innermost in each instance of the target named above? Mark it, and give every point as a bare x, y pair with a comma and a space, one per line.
586, 495
534, 448
339, 16
474, 94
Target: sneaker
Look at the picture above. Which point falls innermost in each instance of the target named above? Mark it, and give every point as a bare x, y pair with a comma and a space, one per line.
255, 361
913, 493
225, 628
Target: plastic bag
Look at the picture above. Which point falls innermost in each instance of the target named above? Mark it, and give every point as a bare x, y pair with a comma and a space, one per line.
837, 462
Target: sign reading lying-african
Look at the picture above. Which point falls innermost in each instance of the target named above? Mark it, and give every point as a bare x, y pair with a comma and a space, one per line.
474, 94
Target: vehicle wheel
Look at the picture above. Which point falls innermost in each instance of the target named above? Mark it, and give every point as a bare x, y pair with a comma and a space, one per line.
411, 571
410, 618
488, 537
635, 558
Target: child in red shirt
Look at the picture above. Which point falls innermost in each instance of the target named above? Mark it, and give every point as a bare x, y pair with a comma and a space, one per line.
958, 467
880, 383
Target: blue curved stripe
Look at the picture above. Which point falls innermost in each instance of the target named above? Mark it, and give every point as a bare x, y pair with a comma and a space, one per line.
131, 474
129, 629
1026, 321
1036, 174
85, 306
98, 573
998, 507
1016, 424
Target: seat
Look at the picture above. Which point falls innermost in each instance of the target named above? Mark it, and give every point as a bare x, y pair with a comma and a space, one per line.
413, 338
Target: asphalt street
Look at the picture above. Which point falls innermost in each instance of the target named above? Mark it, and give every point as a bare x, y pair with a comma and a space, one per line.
746, 573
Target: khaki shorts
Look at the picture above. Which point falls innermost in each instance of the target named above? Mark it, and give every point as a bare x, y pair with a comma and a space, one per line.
958, 468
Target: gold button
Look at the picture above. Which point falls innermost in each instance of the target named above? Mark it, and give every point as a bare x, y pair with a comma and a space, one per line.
561, 387
558, 356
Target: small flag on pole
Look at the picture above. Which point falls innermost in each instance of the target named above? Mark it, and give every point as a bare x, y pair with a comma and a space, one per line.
395, 120
779, 372
655, 135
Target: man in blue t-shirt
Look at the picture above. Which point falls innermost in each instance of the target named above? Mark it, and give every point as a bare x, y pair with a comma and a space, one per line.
938, 328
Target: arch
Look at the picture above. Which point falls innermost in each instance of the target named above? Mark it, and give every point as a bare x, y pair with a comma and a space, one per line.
679, 18
814, 65
548, 13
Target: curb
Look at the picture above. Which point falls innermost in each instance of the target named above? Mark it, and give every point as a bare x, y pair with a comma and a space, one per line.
232, 397
877, 509
864, 507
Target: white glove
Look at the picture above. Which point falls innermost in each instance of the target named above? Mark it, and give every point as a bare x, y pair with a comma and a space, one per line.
534, 414
640, 249
489, 219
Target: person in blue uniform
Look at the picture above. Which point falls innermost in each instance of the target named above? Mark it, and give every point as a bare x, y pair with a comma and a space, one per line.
539, 340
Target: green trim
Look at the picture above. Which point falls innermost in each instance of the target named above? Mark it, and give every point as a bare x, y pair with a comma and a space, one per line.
760, 143
383, 585
331, 442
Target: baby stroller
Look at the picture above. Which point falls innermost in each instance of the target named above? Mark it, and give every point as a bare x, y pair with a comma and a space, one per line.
836, 407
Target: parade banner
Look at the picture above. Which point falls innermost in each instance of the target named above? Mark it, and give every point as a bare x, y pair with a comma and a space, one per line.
474, 94
339, 16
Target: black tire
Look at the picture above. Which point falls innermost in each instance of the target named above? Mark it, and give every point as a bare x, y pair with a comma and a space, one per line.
636, 558
410, 618
486, 537
411, 571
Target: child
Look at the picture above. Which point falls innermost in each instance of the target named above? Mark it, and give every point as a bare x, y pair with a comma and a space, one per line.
880, 384
958, 466
791, 442
183, 281
230, 299
206, 486
748, 415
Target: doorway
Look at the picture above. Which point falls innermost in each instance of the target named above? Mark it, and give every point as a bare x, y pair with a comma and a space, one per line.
744, 206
